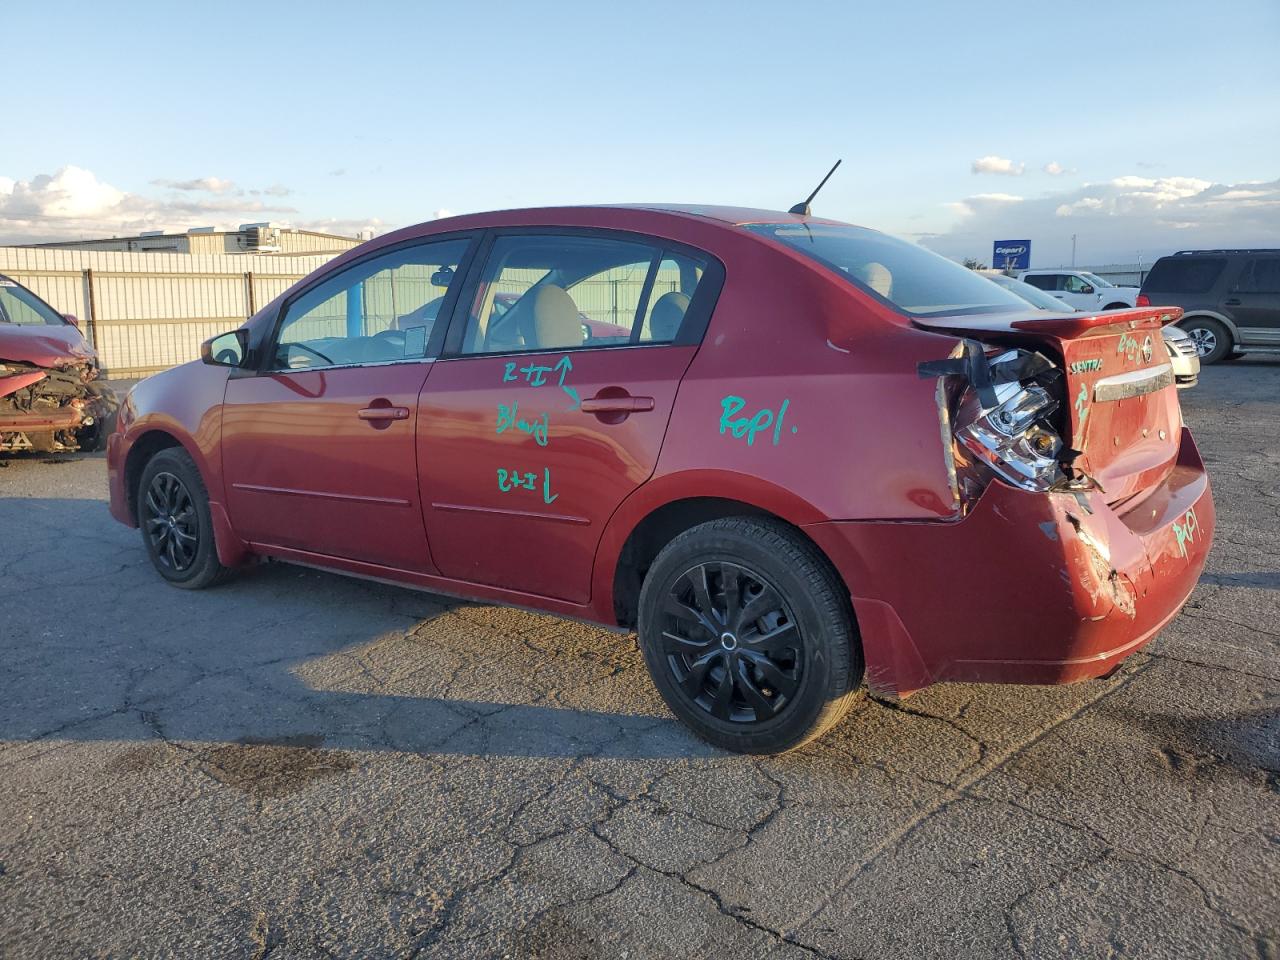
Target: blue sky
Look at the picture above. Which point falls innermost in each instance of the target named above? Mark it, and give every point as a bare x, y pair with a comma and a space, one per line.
1160, 120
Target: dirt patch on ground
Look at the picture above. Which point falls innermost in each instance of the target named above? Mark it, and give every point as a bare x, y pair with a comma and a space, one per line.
275, 768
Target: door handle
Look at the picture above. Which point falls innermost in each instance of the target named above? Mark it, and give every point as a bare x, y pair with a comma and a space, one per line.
627, 404
1233, 302
378, 414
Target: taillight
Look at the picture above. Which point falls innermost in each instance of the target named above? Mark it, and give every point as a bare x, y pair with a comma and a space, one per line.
1014, 440
1142, 301
999, 411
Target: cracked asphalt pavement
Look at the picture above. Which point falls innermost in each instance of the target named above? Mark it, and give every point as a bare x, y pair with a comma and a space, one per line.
300, 765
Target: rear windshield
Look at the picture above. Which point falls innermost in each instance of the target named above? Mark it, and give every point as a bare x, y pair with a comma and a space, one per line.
910, 278
1185, 274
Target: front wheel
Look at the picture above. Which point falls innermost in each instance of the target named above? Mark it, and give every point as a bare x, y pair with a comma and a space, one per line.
748, 635
1212, 340
177, 529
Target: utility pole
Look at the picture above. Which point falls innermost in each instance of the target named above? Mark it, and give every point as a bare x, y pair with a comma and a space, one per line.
1073, 250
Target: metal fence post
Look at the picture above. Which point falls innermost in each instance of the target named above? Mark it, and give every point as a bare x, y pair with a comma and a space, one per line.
92, 303
250, 299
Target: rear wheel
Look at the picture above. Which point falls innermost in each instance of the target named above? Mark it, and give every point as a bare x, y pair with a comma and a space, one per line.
748, 635
177, 529
1212, 340
1116, 306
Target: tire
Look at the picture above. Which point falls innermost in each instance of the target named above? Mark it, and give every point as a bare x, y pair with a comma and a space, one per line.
1213, 340
177, 529
763, 684
94, 439
1117, 306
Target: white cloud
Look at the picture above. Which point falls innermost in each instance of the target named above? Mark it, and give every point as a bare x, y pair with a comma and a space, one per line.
73, 203
997, 165
1054, 169
201, 184
1115, 220
442, 213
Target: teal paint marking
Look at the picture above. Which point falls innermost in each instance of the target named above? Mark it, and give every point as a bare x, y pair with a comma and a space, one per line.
509, 374
535, 374
515, 480
748, 427
512, 480
1082, 404
538, 428
1185, 531
563, 366
777, 424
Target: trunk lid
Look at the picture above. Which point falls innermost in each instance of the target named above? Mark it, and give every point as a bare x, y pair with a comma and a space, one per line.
1120, 402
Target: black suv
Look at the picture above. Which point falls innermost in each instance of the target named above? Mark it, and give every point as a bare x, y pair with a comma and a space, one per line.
1230, 299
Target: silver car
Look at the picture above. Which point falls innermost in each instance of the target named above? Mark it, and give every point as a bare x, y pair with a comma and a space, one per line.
1181, 348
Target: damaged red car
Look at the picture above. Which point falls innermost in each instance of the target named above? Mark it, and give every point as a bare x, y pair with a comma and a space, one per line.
50, 399
814, 456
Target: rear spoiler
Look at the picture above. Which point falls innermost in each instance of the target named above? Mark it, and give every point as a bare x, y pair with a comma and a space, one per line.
1069, 328
1064, 326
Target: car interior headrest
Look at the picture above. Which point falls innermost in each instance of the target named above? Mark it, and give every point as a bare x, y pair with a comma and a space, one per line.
667, 315
553, 320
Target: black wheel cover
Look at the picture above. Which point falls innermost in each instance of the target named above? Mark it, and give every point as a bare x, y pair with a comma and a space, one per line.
732, 643
171, 522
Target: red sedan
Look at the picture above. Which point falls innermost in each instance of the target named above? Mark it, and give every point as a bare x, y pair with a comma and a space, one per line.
812, 454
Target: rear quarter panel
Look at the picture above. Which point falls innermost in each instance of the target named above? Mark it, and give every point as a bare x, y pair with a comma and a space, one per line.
802, 387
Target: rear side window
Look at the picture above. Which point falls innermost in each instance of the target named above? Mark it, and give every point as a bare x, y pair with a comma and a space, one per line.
1043, 281
567, 292
1260, 276
908, 277
1185, 274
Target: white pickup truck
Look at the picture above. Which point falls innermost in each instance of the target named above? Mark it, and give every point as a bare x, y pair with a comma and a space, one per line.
1081, 289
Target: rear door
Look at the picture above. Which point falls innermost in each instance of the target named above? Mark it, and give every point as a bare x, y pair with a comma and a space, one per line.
318, 447
1254, 301
544, 415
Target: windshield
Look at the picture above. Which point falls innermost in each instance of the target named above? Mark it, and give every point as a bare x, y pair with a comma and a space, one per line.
1096, 280
914, 280
19, 305
1033, 295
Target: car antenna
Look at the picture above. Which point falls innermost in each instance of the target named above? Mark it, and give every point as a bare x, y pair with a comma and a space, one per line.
803, 208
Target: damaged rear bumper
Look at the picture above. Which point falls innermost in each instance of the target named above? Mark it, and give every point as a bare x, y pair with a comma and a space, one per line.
1028, 587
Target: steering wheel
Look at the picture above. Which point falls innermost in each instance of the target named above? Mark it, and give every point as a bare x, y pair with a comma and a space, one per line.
394, 337
303, 346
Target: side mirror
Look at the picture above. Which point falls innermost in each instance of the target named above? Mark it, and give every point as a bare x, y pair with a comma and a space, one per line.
226, 350
72, 319
1087, 288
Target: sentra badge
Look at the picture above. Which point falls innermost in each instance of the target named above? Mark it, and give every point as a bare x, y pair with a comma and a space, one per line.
1086, 366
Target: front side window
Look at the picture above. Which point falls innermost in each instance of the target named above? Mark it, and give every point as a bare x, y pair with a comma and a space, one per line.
20, 306
379, 311
1076, 284
1096, 280
565, 292
910, 278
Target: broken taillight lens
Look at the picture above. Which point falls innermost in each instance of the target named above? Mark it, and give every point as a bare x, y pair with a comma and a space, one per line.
1014, 439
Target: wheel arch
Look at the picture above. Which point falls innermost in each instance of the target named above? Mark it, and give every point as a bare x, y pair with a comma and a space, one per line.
145, 446
232, 551
1212, 315
651, 519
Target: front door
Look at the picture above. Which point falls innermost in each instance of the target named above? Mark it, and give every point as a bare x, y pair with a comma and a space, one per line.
319, 448
546, 414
